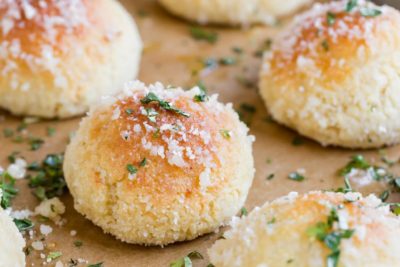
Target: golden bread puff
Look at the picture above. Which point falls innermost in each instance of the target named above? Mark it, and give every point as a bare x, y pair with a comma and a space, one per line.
57, 57
156, 165
11, 242
334, 75
233, 12
313, 230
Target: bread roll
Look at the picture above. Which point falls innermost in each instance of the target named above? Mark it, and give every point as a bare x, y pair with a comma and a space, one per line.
57, 57
334, 75
313, 230
233, 12
11, 242
154, 166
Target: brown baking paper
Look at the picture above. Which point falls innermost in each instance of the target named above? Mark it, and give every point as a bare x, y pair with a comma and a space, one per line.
171, 56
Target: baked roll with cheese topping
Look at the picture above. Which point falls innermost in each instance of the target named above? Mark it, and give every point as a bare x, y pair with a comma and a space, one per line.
57, 57
313, 230
11, 242
334, 75
233, 12
156, 165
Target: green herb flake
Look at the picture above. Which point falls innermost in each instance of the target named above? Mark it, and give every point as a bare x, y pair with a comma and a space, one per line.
295, 176
351, 4
272, 221
151, 97
131, 169
187, 260
330, 18
198, 33
370, 12
325, 232
7, 185
48, 182
7, 132
325, 45
226, 133
22, 126
202, 96
100, 264
54, 255
23, 224
35, 143
129, 111
246, 113
243, 212
237, 50
195, 255
226, 61
151, 114
384, 195
13, 157
271, 176
143, 162
297, 141
357, 162
78, 243
51, 131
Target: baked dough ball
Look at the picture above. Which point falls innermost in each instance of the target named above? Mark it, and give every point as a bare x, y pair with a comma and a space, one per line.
334, 75
57, 57
233, 11
11, 243
154, 166
310, 231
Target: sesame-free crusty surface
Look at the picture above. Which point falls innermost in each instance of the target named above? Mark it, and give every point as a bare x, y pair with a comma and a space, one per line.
171, 56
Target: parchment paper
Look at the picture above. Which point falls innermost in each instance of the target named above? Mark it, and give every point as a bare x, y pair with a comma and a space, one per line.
170, 56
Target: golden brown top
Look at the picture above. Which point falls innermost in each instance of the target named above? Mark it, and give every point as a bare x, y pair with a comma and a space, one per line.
174, 144
325, 40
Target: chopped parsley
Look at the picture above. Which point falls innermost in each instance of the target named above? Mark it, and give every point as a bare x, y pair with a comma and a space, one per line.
225, 133
195, 255
330, 18
187, 260
202, 96
49, 181
370, 12
325, 45
78, 243
13, 157
35, 143
272, 221
151, 97
384, 195
201, 34
23, 224
351, 4
129, 111
131, 169
100, 264
265, 46
295, 176
7, 186
226, 61
143, 162
237, 50
325, 232
243, 212
297, 141
271, 176
357, 162
51, 131
7, 132
151, 114
246, 113
54, 255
